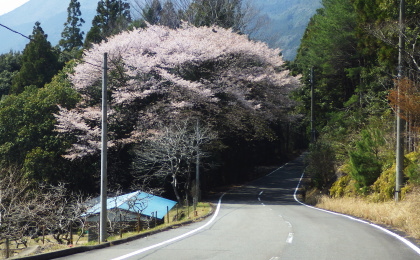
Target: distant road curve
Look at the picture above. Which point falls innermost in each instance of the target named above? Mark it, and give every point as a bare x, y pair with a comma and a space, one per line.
264, 220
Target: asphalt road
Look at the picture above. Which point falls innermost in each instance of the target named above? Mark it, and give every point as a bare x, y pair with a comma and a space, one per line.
262, 220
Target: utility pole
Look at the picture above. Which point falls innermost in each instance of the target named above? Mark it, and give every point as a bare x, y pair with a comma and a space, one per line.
197, 167
104, 182
313, 137
400, 123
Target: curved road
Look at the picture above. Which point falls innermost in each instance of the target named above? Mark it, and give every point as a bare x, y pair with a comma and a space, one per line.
262, 220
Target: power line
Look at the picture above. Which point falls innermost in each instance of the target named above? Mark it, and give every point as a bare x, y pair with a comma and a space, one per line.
15, 31
31, 40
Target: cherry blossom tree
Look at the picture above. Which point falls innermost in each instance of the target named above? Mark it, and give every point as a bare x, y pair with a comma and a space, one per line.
158, 75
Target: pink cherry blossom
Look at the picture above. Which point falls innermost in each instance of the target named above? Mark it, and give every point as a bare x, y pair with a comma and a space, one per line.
157, 73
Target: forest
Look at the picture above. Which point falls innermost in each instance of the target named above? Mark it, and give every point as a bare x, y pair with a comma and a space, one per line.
352, 47
361, 60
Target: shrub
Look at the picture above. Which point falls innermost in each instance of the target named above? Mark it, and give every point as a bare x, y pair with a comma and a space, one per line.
384, 187
321, 160
412, 171
343, 187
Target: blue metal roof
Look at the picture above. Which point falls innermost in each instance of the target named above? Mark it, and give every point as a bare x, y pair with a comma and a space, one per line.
138, 202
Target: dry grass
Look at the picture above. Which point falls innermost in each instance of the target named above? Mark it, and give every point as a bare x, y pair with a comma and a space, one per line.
403, 216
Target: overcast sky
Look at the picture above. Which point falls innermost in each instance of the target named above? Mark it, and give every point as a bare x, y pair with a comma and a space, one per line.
9, 5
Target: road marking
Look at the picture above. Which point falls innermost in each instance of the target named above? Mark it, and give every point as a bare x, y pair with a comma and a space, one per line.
175, 238
276, 170
275, 258
289, 239
261, 193
263, 204
259, 199
403, 240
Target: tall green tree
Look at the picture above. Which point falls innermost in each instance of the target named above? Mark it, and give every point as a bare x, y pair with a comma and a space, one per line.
330, 46
152, 11
113, 16
10, 64
39, 62
27, 136
169, 16
72, 36
365, 158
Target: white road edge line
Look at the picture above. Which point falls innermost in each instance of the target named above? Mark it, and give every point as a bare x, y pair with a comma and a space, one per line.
175, 238
405, 241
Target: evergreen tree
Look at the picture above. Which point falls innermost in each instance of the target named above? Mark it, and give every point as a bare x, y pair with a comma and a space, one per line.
39, 62
152, 11
365, 159
113, 16
330, 46
27, 136
169, 17
10, 64
72, 37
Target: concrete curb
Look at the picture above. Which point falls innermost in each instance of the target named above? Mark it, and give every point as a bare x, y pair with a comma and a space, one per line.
81, 249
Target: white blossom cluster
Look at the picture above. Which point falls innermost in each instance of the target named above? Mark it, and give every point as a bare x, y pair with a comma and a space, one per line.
157, 72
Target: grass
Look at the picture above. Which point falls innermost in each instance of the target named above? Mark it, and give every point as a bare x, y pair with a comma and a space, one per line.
203, 209
403, 216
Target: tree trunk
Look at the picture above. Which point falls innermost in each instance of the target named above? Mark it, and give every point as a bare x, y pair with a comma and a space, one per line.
178, 198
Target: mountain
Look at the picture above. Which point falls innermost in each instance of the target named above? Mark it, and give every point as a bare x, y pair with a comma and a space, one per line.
286, 19
52, 14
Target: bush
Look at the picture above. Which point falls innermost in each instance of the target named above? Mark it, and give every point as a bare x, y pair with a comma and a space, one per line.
343, 187
321, 160
384, 187
412, 171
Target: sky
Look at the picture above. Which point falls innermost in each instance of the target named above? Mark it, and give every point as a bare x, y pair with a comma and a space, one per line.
9, 5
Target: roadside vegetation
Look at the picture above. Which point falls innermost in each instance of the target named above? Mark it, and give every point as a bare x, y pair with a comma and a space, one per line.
352, 47
402, 216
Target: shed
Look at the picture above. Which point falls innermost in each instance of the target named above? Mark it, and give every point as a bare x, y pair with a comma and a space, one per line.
131, 206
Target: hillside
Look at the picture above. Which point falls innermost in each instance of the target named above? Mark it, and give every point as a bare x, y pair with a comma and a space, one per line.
51, 14
287, 22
